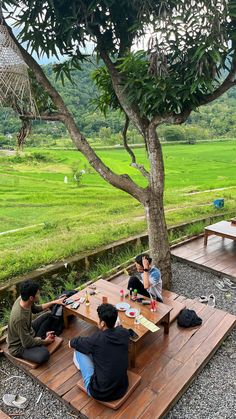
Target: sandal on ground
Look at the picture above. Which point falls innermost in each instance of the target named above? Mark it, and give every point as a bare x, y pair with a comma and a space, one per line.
220, 285
15, 400
203, 299
228, 283
211, 301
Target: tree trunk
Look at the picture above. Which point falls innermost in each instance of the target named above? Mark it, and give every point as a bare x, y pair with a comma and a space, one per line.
157, 229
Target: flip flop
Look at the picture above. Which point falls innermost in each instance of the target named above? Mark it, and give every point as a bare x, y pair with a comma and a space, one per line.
211, 301
203, 299
220, 286
15, 400
230, 284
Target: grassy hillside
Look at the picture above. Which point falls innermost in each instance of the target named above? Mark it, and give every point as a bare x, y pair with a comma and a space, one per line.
67, 218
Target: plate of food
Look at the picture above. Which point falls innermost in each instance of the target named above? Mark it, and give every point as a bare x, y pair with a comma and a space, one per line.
132, 312
122, 306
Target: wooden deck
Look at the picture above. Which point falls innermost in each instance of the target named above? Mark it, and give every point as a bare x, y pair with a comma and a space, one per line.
3, 415
166, 363
219, 255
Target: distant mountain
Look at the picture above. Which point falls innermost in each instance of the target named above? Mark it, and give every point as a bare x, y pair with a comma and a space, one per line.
219, 118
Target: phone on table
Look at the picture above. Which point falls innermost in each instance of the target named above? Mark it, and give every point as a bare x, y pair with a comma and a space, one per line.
75, 305
139, 300
67, 302
132, 334
81, 300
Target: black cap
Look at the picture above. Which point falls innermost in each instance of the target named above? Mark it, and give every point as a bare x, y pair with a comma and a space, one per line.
139, 259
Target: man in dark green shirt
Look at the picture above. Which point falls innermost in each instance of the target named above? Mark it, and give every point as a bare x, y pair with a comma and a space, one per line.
24, 338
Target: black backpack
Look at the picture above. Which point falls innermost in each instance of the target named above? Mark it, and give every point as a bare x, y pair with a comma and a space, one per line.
54, 321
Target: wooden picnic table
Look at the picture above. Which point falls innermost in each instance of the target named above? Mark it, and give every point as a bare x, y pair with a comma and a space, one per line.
112, 292
224, 229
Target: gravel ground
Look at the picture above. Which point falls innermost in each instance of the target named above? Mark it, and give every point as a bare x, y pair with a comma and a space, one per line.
211, 395
13, 381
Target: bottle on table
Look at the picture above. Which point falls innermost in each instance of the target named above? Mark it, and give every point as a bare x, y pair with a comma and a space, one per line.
122, 294
87, 302
153, 306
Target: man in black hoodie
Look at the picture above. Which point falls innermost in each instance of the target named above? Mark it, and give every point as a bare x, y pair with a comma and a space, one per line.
103, 357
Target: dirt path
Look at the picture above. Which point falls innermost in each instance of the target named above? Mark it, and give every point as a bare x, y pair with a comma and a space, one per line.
209, 190
19, 229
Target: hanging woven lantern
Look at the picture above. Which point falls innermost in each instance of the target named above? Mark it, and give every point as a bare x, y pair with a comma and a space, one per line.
15, 88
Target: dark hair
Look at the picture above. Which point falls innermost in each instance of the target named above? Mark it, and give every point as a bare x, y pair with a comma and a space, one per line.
139, 259
108, 314
28, 289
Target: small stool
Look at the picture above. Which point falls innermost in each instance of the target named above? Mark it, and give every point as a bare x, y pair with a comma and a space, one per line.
29, 364
134, 380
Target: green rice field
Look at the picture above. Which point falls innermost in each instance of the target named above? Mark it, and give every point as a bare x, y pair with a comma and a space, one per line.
55, 220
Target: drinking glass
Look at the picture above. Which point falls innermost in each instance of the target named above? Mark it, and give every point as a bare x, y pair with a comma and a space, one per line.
136, 319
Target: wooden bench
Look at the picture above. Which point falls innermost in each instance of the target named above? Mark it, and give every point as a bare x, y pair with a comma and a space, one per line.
224, 229
29, 364
134, 380
177, 306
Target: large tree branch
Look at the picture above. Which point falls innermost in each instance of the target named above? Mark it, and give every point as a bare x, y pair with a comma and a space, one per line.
229, 82
123, 182
134, 164
124, 136
130, 109
170, 118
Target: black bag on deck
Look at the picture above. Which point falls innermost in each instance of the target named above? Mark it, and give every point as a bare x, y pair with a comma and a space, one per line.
188, 318
56, 318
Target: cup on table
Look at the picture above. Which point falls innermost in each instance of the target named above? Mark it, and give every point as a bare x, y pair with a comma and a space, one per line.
118, 322
153, 306
136, 319
51, 334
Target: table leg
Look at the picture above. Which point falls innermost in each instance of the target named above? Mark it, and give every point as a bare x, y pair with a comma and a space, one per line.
205, 237
132, 354
65, 318
166, 323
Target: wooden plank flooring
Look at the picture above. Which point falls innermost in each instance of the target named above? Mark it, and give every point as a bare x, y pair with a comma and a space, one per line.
167, 363
219, 255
